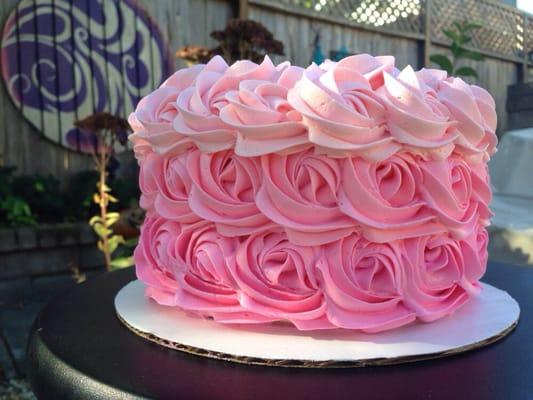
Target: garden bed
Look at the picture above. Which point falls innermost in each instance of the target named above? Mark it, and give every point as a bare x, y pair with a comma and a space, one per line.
47, 249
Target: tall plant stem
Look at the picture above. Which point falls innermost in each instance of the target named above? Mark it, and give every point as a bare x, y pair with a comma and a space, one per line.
103, 204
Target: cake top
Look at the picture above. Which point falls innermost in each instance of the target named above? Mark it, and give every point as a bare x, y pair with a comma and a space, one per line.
360, 106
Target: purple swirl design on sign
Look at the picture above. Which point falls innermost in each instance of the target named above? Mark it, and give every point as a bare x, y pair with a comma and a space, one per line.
63, 60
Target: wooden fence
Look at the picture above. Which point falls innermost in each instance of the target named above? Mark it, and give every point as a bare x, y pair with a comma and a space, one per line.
410, 30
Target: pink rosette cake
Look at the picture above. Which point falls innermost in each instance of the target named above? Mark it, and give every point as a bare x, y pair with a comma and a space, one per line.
345, 195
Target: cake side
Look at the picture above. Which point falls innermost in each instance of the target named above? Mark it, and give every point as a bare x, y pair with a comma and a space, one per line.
346, 195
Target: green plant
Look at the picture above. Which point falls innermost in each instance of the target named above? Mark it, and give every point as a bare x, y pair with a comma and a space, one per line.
109, 130
14, 210
460, 34
43, 194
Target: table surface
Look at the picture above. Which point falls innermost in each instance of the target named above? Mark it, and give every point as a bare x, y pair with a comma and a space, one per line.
79, 350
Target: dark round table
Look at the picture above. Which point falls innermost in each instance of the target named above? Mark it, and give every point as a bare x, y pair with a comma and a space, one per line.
79, 349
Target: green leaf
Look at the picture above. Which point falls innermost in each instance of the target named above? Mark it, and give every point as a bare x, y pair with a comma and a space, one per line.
452, 35
122, 262
113, 242
466, 71
111, 218
442, 61
39, 187
469, 26
473, 55
101, 230
131, 242
94, 220
457, 50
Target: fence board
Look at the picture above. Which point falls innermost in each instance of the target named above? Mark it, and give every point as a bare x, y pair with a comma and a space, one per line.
185, 22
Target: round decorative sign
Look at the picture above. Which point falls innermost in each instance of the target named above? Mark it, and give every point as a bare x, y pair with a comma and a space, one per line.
63, 60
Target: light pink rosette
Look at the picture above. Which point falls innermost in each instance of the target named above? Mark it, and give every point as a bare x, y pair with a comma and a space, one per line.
276, 279
223, 190
362, 282
439, 275
141, 147
206, 286
341, 109
155, 259
415, 116
474, 110
173, 186
455, 194
299, 192
199, 105
384, 197
265, 122
152, 120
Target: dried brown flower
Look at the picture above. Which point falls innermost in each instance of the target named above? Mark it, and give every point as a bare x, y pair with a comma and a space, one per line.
240, 40
194, 54
100, 121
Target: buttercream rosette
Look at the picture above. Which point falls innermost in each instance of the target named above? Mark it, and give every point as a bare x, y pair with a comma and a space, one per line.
347, 195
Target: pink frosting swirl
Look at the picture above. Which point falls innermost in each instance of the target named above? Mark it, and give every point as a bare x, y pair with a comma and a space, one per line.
277, 279
173, 185
199, 105
384, 197
475, 254
415, 116
205, 282
147, 181
439, 275
299, 192
341, 109
188, 266
474, 110
455, 194
362, 282
265, 122
223, 190
152, 120
155, 258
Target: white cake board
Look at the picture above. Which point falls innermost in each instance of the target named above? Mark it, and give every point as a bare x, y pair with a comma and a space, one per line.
484, 320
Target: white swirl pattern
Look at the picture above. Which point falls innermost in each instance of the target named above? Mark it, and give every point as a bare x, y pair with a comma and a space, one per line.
66, 59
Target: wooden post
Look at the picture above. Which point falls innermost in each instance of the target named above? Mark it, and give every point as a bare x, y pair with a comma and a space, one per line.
243, 9
523, 75
427, 33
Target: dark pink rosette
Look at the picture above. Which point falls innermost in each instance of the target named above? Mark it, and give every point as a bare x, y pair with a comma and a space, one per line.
206, 286
173, 186
440, 276
223, 190
299, 192
455, 193
362, 282
155, 258
276, 279
384, 198
147, 181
